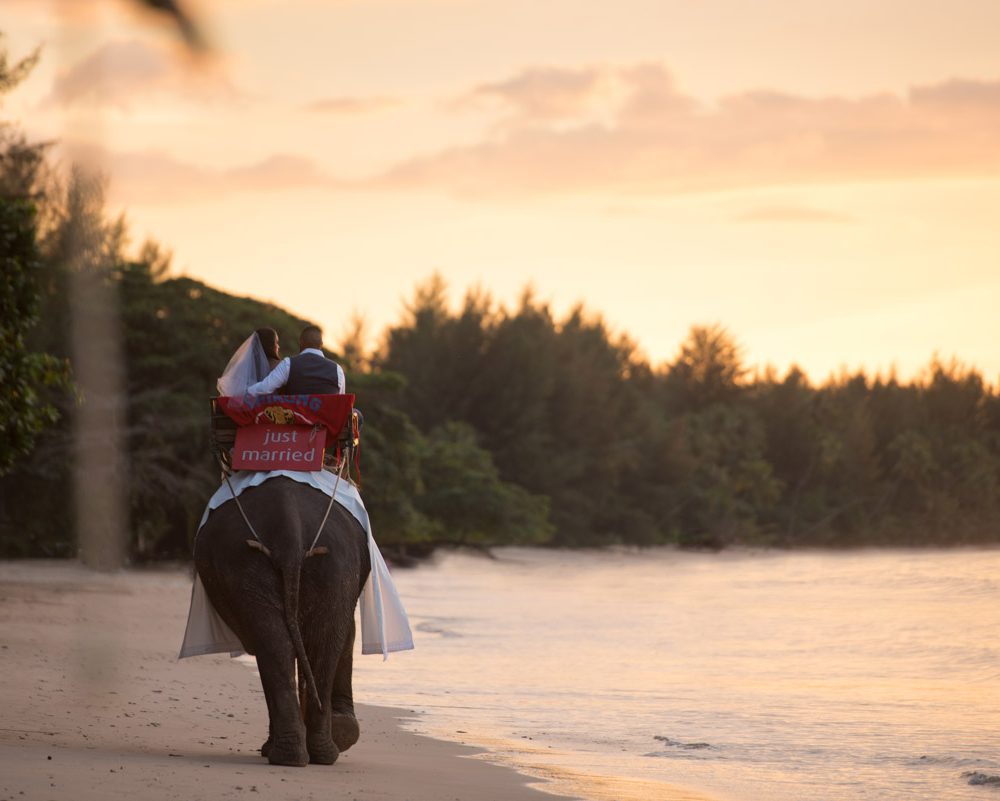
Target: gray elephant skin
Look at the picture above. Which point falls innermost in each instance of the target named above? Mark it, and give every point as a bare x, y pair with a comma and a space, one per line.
286, 606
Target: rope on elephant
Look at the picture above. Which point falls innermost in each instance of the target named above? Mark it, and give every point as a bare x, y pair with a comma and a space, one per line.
312, 548
239, 506
259, 544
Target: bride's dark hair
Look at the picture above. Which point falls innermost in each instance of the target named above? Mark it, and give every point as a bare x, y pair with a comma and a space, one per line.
269, 339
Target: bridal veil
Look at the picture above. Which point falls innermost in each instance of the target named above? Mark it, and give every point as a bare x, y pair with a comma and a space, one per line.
247, 366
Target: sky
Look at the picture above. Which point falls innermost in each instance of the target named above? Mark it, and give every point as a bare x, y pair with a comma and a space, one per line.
821, 178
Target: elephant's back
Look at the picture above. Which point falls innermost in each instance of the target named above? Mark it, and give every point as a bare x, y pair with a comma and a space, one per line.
283, 514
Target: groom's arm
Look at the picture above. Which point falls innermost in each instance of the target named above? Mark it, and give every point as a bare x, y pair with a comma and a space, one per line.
278, 377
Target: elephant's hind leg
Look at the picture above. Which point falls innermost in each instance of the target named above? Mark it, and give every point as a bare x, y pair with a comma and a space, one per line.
286, 733
321, 747
334, 728
344, 728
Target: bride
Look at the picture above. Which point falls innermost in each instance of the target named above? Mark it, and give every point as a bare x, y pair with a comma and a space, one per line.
252, 361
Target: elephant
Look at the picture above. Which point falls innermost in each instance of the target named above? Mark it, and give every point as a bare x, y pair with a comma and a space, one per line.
288, 606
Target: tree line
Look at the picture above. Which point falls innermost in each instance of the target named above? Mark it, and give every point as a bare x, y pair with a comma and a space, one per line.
700, 451
484, 424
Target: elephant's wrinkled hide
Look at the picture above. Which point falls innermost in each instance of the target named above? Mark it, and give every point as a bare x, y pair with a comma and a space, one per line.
384, 624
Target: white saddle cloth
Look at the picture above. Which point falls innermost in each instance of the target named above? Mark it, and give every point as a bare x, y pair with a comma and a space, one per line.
384, 625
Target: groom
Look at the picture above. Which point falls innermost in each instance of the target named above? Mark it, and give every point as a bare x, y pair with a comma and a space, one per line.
309, 373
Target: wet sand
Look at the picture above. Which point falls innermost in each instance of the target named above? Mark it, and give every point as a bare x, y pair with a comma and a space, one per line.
95, 705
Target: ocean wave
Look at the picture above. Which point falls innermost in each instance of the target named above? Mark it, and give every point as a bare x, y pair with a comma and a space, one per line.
945, 761
977, 778
678, 744
676, 749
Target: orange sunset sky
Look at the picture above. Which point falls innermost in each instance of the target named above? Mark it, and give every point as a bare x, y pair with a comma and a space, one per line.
823, 178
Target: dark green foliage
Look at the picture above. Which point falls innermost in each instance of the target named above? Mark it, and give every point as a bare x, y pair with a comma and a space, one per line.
551, 403
707, 370
436, 488
25, 375
698, 452
465, 499
391, 451
729, 488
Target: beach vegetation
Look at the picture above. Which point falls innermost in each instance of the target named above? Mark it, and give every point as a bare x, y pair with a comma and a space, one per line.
28, 374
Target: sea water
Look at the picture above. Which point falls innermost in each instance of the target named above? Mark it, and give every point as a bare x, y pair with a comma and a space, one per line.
770, 676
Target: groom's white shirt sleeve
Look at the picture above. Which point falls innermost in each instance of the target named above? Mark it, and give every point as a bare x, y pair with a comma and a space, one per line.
278, 377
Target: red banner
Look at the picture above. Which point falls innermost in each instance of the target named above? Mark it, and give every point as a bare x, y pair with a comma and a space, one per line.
279, 447
330, 411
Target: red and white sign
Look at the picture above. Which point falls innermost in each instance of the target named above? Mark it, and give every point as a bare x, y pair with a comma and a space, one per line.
279, 447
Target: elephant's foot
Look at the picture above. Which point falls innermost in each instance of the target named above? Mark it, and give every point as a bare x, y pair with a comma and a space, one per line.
344, 730
278, 752
322, 751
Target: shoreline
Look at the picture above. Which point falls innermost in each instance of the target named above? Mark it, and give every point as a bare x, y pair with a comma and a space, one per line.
97, 706
556, 780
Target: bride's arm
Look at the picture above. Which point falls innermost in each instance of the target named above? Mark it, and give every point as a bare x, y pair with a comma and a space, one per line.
278, 377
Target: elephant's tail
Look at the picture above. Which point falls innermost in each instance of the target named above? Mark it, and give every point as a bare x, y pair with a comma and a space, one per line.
290, 577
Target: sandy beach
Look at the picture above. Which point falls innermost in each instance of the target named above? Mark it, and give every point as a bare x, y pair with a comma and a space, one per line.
96, 706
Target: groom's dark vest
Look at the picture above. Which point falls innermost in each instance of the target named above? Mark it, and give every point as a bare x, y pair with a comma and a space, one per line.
310, 374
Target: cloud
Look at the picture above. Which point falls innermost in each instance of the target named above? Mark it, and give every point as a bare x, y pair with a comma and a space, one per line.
119, 73
959, 94
351, 105
154, 177
539, 93
794, 214
633, 129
